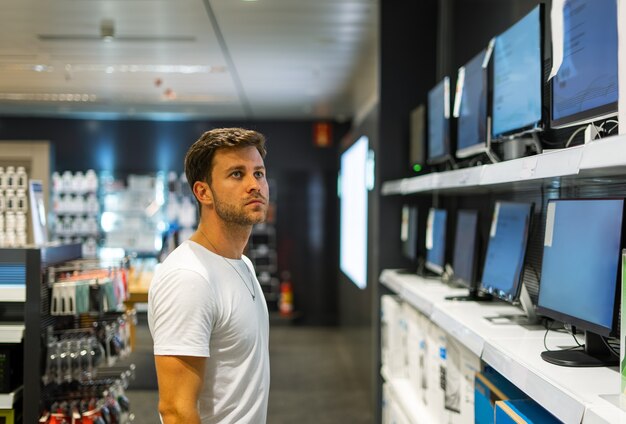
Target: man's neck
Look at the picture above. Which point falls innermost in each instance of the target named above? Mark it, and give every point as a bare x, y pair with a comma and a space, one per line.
224, 239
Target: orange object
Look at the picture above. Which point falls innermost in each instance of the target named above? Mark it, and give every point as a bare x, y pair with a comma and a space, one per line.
285, 302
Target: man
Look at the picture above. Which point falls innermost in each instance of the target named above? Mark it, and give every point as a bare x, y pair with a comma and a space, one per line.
206, 310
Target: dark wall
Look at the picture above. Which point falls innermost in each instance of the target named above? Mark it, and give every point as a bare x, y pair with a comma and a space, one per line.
305, 177
408, 39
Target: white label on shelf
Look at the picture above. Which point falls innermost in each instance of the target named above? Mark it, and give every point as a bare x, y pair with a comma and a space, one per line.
549, 224
494, 221
528, 167
458, 94
429, 229
404, 228
490, 47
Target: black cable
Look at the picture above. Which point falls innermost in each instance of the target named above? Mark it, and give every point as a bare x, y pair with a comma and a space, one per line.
548, 327
609, 346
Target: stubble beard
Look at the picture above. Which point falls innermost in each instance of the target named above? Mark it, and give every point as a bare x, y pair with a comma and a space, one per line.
233, 215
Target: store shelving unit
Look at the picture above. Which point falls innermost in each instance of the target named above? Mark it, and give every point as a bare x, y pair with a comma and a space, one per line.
572, 395
33, 261
598, 158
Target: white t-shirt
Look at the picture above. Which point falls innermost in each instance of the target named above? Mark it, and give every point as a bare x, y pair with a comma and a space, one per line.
199, 306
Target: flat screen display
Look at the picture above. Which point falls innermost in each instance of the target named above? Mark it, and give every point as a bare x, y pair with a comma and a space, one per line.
353, 212
464, 258
438, 122
586, 86
517, 73
408, 232
418, 135
436, 240
472, 122
504, 261
581, 257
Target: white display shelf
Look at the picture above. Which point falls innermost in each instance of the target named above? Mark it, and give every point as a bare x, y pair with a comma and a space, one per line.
565, 392
607, 155
599, 157
13, 293
403, 392
11, 333
514, 350
8, 399
606, 413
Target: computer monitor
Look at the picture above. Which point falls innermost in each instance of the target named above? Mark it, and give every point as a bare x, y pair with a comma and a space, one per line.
517, 78
585, 88
418, 136
472, 120
439, 122
506, 250
408, 232
436, 240
580, 274
465, 255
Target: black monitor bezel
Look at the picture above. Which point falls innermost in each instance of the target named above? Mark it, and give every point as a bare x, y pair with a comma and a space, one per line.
515, 293
478, 147
431, 266
581, 323
473, 284
536, 126
447, 154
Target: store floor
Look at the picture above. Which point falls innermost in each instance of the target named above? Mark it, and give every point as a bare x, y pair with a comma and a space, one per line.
313, 379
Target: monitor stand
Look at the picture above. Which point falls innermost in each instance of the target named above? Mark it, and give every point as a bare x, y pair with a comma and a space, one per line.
474, 295
595, 354
528, 319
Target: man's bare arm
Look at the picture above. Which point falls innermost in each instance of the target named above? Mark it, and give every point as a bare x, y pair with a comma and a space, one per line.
180, 380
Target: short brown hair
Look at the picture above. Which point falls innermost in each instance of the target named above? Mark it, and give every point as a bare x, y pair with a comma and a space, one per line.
199, 157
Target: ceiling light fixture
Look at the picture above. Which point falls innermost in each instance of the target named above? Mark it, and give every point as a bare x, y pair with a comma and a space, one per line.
161, 69
48, 97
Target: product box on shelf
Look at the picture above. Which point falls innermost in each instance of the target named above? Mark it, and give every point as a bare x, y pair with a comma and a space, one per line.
415, 345
461, 368
490, 387
522, 411
436, 355
392, 354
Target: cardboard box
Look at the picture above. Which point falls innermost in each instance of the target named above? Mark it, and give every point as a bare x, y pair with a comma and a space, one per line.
461, 368
490, 387
415, 346
522, 411
390, 334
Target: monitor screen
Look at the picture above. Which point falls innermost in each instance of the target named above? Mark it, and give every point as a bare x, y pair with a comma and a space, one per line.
504, 261
418, 135
517, 75
472, 122
438, 122
436, 240
353, 212
408, 232
464, 258
581, 256
583, 90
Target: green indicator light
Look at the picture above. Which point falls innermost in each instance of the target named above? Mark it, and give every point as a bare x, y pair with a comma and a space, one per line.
417, 167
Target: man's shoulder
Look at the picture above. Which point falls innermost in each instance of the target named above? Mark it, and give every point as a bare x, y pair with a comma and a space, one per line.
182, 259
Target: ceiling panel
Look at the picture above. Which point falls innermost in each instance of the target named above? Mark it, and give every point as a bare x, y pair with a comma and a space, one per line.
275, 58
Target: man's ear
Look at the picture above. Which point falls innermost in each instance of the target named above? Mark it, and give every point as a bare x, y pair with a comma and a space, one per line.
203, 193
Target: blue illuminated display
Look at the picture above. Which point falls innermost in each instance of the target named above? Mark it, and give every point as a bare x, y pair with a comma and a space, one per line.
586, 84
517, 76
504, 261
435, 255
581, 258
